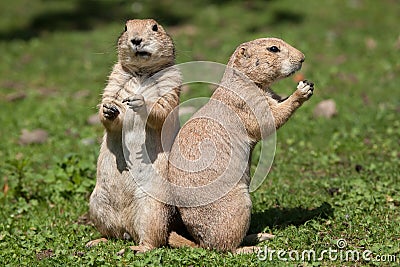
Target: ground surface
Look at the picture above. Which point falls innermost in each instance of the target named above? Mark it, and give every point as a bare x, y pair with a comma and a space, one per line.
332, 179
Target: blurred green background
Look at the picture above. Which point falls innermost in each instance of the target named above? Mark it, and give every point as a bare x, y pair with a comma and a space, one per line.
332, 178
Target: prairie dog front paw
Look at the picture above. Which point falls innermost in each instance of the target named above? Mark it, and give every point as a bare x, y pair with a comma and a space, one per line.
110, 111
305, 89
135, 102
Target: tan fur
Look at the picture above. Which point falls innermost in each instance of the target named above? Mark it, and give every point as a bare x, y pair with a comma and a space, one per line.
176, 240
118, 208
223, 224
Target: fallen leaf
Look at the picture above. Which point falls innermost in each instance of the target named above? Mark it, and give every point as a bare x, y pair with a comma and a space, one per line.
298, 77
5, 186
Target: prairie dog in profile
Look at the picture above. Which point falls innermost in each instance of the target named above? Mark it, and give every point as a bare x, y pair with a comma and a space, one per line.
144, 80
230, 124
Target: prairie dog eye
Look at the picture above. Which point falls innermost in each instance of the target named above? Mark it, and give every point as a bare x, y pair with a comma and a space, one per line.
126, 28
155, 27
273, 49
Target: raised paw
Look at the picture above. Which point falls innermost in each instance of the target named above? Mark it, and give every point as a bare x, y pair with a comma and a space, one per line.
110, 111
306, 89
135, 102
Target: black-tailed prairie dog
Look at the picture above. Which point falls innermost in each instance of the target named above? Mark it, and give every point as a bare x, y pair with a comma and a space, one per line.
213, 149
144, 80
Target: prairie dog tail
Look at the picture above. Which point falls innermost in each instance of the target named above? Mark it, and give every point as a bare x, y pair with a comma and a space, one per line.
177, 241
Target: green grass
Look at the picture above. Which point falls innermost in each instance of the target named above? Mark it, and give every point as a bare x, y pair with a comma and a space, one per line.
331, 178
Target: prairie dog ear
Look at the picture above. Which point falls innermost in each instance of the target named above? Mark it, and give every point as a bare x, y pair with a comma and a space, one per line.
243, 52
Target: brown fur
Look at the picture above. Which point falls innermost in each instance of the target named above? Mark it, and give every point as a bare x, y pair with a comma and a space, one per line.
222, 224
118, 208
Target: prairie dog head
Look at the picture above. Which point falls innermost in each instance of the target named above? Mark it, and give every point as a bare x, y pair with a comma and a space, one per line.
266, 60
144, 45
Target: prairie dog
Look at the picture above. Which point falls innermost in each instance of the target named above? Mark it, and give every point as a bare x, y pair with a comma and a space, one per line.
144, 80
230, 124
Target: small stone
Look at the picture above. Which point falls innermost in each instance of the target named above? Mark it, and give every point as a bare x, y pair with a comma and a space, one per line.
93, 119
370, 43
326, 109
88, 141
37, 136
81, 94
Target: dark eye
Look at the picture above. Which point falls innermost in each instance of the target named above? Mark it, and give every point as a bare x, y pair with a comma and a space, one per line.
155, 27
273, 49
126, 28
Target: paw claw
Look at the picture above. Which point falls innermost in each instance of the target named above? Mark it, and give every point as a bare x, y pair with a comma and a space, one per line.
306, 88
110, 111
135, 102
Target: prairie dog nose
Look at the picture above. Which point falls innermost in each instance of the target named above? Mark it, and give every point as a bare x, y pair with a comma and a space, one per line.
136, 41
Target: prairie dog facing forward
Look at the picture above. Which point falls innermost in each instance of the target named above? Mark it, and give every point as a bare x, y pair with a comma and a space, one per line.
230, 124
144, 80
